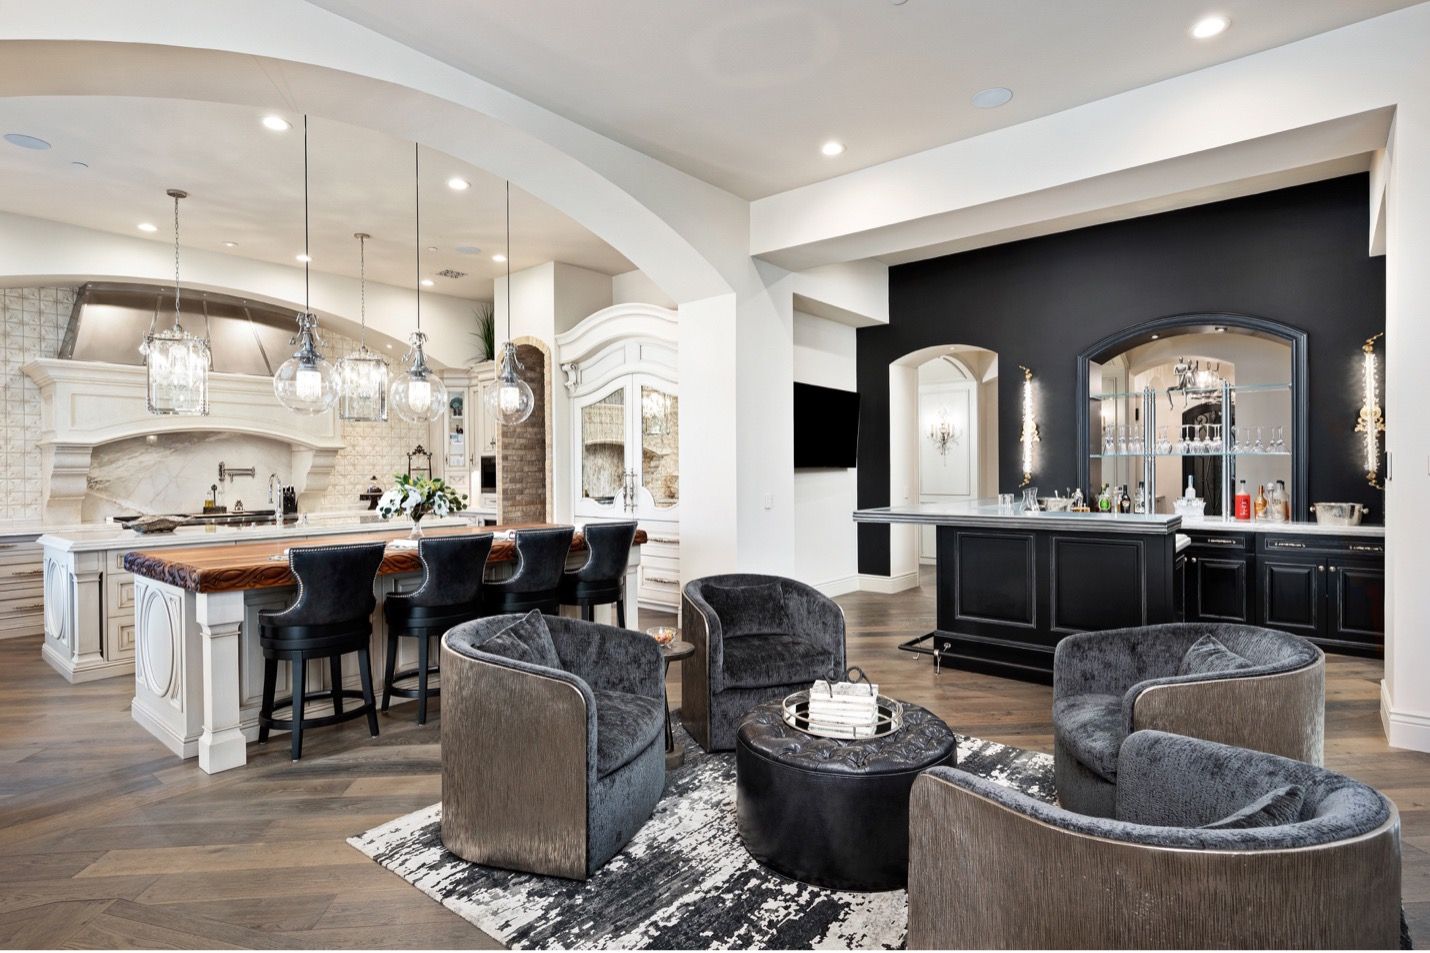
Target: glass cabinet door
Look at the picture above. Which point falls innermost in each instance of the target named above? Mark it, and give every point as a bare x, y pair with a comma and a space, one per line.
602, 423
659, 447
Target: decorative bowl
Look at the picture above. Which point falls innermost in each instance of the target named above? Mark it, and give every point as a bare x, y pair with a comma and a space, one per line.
1339, 514
1055, 504
663, 634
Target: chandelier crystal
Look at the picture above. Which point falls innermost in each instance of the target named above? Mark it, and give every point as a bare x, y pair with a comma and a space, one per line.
417, 394
362, 376
306, 383
176, 363
511, 400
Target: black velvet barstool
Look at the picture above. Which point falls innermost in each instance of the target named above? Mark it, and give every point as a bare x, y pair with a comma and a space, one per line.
602, 580
540, 562
450, 594
331, 617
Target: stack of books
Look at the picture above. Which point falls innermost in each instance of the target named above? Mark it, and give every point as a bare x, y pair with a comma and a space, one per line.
849, 705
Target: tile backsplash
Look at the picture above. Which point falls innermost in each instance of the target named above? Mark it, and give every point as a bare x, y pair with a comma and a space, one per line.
32, 323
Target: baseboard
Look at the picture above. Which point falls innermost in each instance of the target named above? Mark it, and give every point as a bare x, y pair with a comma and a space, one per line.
1403, 729
90, 672
888, 585
838, 586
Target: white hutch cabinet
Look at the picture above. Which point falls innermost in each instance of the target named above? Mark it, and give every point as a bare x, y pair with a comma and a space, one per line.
466, 434
620, 370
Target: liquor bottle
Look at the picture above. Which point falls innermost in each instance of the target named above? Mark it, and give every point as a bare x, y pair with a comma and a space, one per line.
1191, 492
1104, 499
1261, 502
1124, 502
1284, 498
1243, 502
1140, 503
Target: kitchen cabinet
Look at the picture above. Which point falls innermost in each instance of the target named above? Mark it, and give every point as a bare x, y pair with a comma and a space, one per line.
1329, 589
1219, 578
466, 433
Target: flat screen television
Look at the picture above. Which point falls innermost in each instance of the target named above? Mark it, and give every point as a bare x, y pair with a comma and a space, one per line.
826, 427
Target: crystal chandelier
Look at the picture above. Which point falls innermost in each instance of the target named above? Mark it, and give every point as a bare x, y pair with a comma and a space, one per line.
362, 376
306, 383
176, 363
511, 400
418, 394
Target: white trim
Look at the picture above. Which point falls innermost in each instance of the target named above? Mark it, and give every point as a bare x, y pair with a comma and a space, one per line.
1403, 729
838, 586
888, 585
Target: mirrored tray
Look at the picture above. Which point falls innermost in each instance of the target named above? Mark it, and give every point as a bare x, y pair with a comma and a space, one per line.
795, 711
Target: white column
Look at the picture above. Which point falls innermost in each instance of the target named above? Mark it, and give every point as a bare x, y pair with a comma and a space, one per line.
1405, 693
220, 618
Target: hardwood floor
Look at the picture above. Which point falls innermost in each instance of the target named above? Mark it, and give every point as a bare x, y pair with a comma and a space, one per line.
107, 840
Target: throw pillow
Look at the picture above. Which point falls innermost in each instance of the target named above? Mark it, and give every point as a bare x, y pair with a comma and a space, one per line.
1207, 656
525, 640
1272, 809
749, 610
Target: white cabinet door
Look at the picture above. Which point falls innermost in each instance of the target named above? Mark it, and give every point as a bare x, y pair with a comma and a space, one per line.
655, 459
602, 430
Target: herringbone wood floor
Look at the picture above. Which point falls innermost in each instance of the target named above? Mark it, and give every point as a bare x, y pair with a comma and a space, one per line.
106, 840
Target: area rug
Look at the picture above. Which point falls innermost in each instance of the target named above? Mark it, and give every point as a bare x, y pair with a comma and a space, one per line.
684, 882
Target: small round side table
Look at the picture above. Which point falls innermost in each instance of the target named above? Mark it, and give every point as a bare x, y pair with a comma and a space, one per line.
673, 652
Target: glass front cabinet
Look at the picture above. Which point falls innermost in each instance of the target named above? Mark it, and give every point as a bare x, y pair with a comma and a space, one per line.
620, 368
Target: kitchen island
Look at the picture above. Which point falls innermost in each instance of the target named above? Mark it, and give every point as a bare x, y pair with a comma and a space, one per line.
198, 669
1011, 584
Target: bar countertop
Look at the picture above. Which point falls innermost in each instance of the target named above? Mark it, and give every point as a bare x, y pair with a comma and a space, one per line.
987, 513
264, 564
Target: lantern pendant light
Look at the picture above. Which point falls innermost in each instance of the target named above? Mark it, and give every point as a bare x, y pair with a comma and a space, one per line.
511, 400
306, 383
418, 395
176, 363
362, 376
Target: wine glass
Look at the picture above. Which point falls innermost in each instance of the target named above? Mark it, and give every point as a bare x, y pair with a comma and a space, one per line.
1260, 445
1278, 439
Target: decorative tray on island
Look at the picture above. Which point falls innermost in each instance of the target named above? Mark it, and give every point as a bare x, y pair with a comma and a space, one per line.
795, 711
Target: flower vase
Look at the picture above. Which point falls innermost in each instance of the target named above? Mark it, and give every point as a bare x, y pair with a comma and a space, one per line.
416, 516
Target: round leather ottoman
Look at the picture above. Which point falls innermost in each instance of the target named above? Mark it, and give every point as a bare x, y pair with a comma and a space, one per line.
833, 812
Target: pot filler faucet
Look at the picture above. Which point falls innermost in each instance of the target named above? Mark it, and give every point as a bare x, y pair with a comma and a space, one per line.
226, 472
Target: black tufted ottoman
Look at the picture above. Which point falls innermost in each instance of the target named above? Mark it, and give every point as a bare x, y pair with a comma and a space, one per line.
828, 811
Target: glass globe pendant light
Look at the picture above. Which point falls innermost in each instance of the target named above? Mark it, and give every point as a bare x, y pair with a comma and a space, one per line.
418, 395
176, 363
510, 401
306, 383
362, 376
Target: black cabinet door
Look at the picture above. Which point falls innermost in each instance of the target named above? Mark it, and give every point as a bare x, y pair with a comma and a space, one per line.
1179, 589
1217, 590
1292, 595
1355, 603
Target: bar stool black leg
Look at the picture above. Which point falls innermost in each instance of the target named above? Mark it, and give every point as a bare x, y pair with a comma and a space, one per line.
387, 674
300, 674
588, 612
270, 685
422, 641
621, 609
335, 675
365, 671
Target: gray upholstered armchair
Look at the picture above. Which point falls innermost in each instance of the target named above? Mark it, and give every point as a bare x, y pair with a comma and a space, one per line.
756, 638
553, 747
991, 867
1237, 684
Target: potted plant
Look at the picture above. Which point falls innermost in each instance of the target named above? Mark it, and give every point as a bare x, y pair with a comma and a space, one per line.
418, 496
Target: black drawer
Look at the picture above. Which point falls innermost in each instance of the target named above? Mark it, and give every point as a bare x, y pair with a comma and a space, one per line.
1368, 547
1229, 542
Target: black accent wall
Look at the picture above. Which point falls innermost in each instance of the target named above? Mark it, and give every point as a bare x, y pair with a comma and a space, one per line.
1299, 256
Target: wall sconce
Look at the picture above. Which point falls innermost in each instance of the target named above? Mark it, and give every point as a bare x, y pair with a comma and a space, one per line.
1029, 436
943, 433
1372, 418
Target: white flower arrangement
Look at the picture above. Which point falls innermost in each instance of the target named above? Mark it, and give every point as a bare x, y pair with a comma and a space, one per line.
417, 497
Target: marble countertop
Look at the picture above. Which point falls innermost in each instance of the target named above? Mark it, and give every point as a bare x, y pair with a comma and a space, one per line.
112, 536
1215, 524
988, 513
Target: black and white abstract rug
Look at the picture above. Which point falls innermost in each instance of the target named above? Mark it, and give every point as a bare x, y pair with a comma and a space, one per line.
684, 882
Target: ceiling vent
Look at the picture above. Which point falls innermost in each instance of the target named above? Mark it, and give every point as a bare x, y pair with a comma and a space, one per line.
451, 273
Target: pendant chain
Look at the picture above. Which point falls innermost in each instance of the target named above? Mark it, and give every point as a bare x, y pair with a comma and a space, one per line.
176, 262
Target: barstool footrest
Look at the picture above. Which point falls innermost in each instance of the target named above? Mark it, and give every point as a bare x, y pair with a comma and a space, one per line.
286, 724
396, 690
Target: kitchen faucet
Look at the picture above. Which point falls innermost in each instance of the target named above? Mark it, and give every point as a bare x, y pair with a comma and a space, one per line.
275, 496
227, 472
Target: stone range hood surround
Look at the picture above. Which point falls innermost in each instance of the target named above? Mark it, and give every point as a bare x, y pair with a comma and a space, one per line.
84, 404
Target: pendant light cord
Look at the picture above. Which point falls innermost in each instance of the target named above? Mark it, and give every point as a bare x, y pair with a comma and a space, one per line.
417, 214
508, 262
177, 325
362, 290
307, 255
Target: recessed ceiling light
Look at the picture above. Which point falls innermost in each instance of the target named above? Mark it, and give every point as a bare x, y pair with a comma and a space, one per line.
80, 165
498, 258
276, 123
148, 227
304, 258
428, 282
468, 250
25, 142
832, 148
992, 97
230, 244
1208, 27
458, 183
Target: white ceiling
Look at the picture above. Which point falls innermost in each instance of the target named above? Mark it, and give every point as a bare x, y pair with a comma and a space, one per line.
245, 185
742, 93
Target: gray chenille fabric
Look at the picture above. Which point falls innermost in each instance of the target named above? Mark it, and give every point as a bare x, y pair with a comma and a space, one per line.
1169, 786
620, 675
1097, 677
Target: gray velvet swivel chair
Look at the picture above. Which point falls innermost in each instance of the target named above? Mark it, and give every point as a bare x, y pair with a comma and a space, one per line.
756, 638
991, 867
553, 741
1238, 684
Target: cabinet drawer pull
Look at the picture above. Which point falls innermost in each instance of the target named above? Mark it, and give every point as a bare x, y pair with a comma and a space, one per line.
34, 608
1321, 568
667, 540
1286, 544
1221, 541
1363, 548
662, 580
27, 574
1333, 569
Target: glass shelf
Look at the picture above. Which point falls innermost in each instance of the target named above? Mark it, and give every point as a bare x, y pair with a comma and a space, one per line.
1213, 453
1235, 388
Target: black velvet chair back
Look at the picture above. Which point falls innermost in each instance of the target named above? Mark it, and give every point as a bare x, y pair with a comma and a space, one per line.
452, 569
334, 585
541, 559
608, 548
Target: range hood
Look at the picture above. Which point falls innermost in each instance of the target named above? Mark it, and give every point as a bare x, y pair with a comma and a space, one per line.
110, 320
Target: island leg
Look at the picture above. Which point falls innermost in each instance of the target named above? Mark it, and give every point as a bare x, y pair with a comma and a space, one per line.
220, 617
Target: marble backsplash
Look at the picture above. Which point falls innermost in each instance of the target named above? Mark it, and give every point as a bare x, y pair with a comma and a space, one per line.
172, 473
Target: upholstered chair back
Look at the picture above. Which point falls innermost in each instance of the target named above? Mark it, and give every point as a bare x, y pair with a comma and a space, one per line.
541, 559
609, 551
452, 568
334, 584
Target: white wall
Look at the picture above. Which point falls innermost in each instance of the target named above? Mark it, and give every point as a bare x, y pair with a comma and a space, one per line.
826, 546
634, 287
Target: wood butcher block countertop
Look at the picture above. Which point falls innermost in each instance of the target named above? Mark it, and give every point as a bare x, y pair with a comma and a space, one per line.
263, 565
